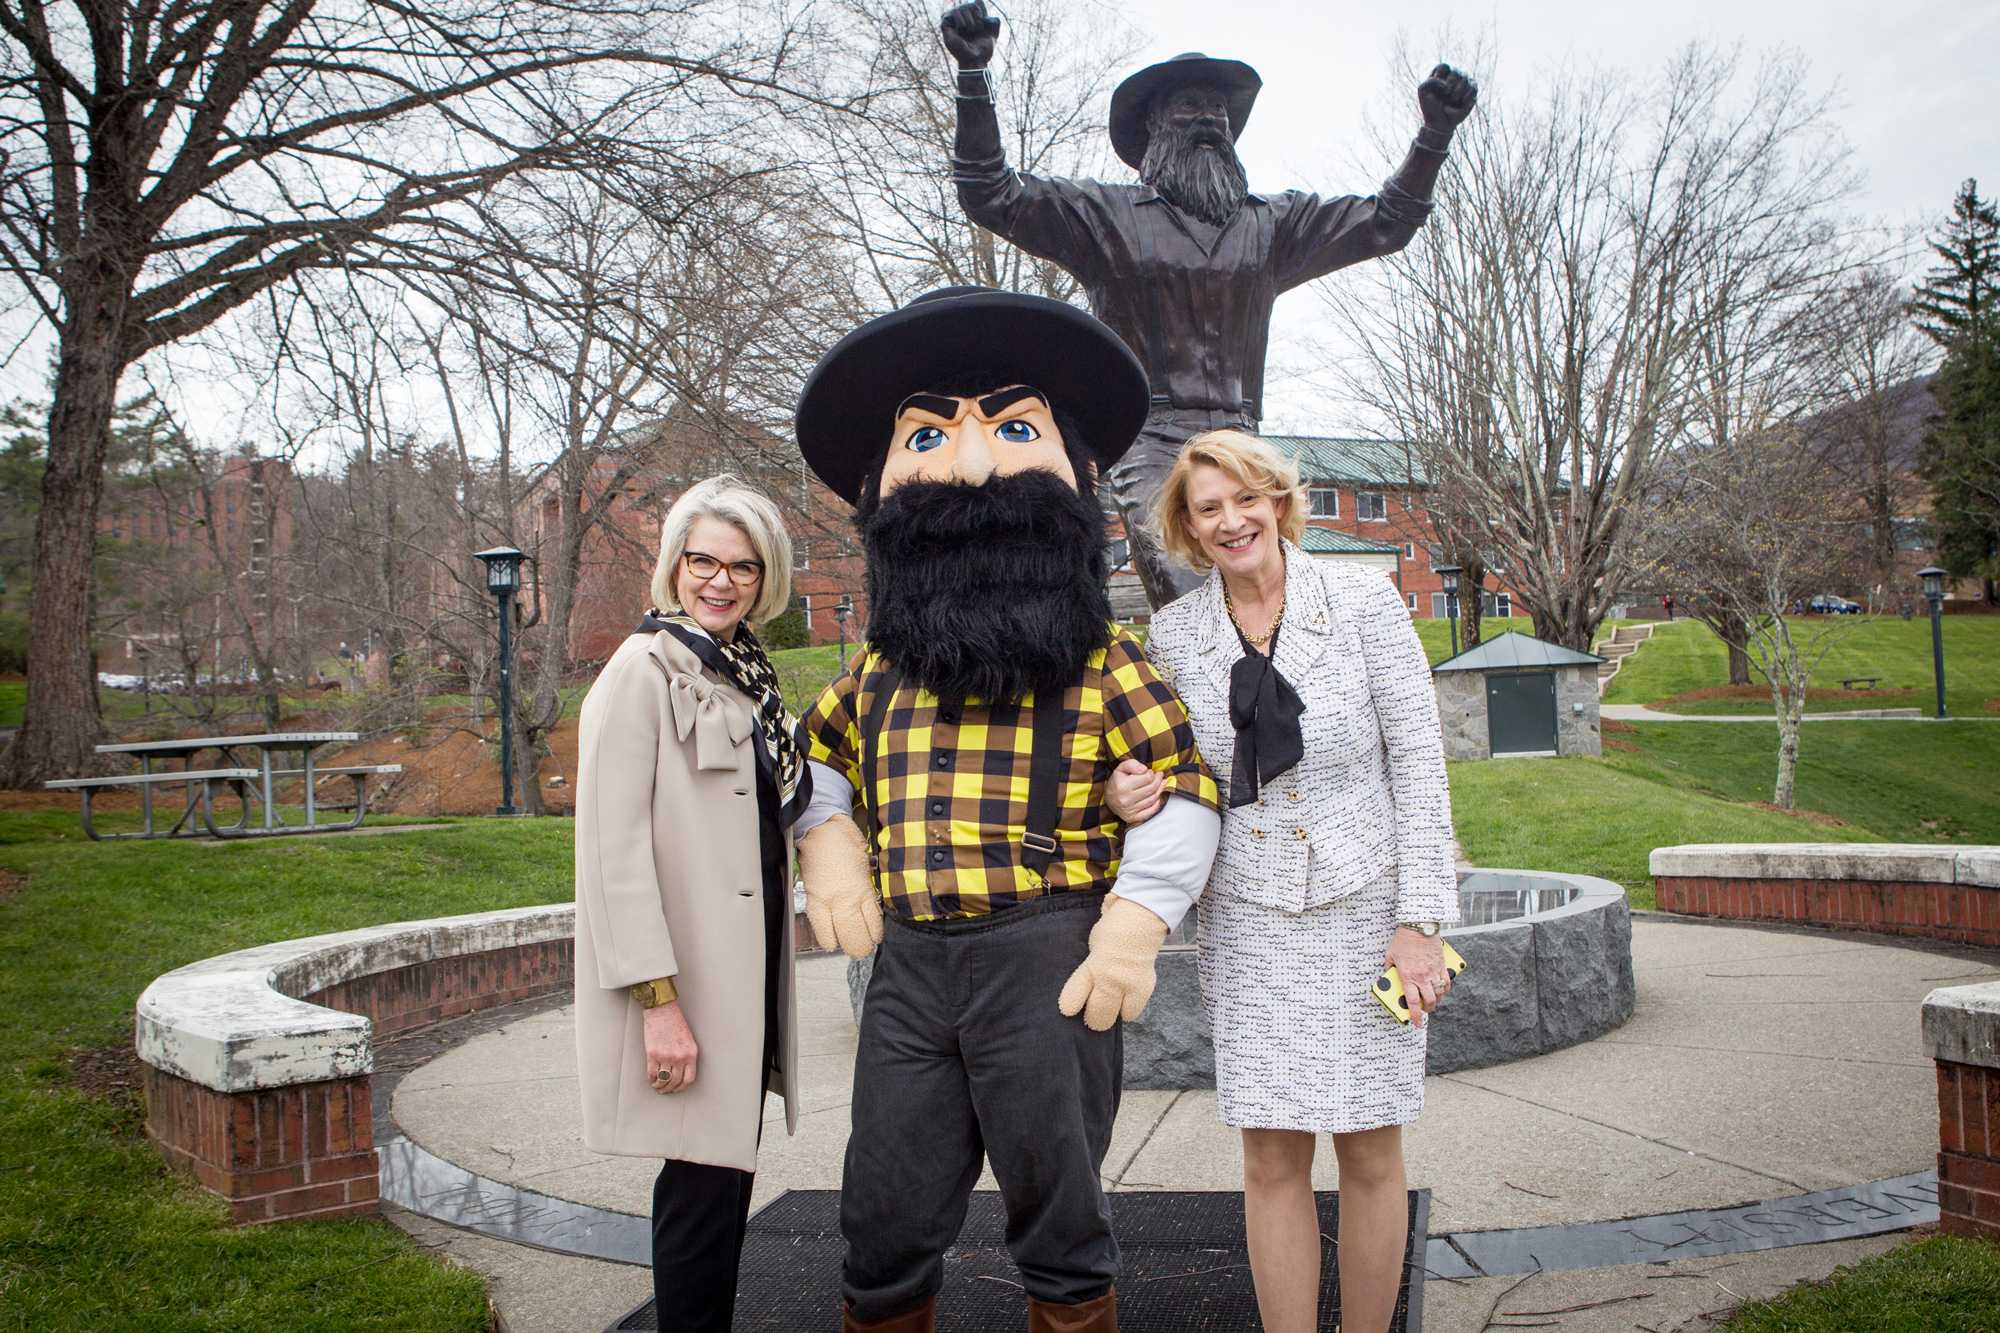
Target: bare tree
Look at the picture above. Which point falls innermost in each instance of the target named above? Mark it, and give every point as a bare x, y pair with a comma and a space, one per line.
881, 175
1877, 373
1751, 531
1538, 345
160, 166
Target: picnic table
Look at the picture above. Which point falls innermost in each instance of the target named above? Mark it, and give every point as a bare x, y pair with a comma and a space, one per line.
251, 775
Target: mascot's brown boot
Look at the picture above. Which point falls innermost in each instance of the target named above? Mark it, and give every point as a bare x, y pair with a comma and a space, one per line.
923, 1319
1098, 1316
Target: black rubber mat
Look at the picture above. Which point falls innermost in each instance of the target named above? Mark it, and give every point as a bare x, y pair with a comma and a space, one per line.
1186, 1269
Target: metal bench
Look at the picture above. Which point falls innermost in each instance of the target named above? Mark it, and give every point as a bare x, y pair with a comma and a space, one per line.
198, 798
1859, 682
360, 773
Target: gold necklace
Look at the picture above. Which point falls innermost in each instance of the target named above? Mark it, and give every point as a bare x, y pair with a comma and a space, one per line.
1256, 640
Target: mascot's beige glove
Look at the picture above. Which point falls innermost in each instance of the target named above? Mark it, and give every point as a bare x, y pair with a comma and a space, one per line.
1116, 980
841, 902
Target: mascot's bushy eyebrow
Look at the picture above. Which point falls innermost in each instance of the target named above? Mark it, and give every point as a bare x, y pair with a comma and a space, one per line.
939, 405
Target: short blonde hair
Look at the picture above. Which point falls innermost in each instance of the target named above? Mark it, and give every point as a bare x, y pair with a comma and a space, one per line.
1255, 463
732, 500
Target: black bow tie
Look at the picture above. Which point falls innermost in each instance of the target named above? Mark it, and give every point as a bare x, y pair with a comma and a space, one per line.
1265, 710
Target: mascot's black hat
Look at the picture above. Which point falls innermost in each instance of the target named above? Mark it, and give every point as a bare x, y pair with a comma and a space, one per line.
849, 403
1129, 135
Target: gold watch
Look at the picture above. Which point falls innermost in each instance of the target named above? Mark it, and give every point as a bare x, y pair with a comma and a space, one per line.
653, 994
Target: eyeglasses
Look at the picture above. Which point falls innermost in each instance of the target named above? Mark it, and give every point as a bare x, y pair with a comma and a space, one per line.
742, 573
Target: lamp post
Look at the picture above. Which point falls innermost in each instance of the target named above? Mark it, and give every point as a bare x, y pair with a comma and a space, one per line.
503, 580
1933, 578
842, 609
1450, 573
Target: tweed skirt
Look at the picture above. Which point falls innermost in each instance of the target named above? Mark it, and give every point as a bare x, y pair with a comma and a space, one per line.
1300, 1043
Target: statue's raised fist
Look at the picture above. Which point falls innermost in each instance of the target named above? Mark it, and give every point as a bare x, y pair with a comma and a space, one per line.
968, 34
1446, 98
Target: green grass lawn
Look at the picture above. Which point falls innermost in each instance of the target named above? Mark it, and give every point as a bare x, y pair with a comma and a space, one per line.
94, 1232
1940, 1284
1685, 656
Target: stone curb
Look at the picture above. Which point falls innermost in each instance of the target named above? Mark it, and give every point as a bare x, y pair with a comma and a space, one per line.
1884, 862
233, 1023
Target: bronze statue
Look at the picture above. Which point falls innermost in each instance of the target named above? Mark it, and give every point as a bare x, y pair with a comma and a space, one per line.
1186, 264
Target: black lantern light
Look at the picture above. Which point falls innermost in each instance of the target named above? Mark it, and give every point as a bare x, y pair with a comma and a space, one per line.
1450, 573
842, 609
1933, 578
503, 580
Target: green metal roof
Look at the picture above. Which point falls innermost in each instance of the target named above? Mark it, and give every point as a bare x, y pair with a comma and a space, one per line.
1386, 463
1506, 651
1325, 541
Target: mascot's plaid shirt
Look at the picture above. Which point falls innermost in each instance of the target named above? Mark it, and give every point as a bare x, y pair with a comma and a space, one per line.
952, 783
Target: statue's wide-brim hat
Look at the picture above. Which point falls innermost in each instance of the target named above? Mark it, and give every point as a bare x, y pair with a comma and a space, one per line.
1086, 371
1129, 135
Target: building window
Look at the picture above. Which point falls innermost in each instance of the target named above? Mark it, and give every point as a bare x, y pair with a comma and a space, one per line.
1409, 550
806, 605
1412, 600
1370, 507
1496, 604
1437, 605
1325, 502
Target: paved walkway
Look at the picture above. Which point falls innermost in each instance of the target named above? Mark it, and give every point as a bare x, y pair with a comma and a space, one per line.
1760, 1063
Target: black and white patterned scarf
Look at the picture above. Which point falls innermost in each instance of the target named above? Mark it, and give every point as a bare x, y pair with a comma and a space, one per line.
744, 664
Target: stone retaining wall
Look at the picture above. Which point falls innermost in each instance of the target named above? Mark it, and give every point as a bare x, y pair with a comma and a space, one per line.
1934, 892
258, 1063
1962, 1034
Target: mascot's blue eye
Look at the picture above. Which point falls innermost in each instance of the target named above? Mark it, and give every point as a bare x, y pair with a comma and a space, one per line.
925, 439
1018, 432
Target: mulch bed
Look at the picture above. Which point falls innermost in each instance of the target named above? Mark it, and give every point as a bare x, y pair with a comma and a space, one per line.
1762, 693
1810, 816
11, 883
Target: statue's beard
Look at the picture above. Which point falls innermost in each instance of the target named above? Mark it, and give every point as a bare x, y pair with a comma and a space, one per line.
1204, 179
987, 592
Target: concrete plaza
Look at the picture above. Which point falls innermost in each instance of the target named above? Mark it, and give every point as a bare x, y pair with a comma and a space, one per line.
1760, 1063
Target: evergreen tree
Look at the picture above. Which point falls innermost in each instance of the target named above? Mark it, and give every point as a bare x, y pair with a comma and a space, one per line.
1961, 460
1960, 296
1959, 306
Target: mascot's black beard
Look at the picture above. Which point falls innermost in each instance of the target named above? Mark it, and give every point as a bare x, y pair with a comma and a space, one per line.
989, 591
1204, 179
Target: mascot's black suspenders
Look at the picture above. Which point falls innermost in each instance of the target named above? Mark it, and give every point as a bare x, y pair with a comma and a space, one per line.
1045, 770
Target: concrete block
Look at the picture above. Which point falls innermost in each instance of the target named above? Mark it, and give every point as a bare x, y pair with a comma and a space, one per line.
1170, 1046
1962, 1024
1903, 863
1979, 866
1494, 1011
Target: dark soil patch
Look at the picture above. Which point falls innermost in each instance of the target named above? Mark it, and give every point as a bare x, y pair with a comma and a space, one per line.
1762, 693
11, 883
108, 1073
456, 772
1810, 816
1993, 705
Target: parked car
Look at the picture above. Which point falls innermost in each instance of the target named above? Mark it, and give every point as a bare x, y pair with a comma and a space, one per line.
1827, 604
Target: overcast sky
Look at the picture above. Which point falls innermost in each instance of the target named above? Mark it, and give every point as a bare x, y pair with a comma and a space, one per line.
1914, 81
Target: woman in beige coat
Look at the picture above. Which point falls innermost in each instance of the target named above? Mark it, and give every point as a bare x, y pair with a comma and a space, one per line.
689, 778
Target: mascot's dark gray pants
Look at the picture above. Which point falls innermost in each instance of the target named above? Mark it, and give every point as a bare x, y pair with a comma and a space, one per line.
963, 1052
1134, 487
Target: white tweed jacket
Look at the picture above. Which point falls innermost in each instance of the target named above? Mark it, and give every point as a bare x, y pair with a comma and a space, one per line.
1370, 796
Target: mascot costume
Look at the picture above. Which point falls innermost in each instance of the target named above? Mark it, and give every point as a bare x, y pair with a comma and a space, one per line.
977, 731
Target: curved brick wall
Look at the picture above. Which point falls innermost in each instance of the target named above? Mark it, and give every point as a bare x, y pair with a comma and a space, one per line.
1920, 889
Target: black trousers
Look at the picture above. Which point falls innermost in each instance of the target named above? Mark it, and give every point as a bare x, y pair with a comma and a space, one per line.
701, 1212
964, 1055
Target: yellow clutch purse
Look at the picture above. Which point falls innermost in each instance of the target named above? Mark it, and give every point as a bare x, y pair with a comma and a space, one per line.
1388, 987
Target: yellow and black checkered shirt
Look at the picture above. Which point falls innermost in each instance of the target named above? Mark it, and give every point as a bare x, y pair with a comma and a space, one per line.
951, 784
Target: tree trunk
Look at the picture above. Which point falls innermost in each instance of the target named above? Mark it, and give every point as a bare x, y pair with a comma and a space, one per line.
1470, 606
1788, 754
1739, 665
61, 723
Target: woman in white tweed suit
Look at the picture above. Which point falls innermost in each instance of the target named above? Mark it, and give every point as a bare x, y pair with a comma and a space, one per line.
1311, 700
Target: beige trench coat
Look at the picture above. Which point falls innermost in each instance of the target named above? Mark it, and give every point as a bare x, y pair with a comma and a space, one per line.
669, 882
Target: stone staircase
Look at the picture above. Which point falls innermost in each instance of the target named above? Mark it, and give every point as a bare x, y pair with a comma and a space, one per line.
1624, 641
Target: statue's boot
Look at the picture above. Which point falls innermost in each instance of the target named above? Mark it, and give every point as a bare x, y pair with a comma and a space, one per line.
1098, 1316
923, 1319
